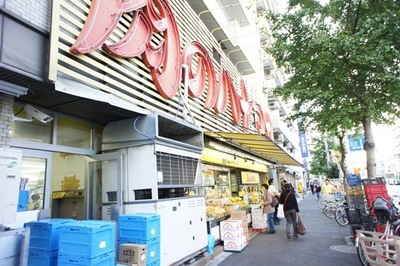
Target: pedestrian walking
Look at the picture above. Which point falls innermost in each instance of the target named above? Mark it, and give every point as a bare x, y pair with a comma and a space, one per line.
268, 209
312, 187
272, 189
290, 208
318, 190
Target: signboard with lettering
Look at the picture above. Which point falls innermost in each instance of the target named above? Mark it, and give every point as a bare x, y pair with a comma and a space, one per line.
303, 145
136, 53
250, 178
356, 143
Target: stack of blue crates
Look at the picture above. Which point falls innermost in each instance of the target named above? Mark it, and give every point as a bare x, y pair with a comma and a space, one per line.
87, 243
143, 229
43, 241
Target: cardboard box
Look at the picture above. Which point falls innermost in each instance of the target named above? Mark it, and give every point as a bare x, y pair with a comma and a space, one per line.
235, 244
231, 225
132, 254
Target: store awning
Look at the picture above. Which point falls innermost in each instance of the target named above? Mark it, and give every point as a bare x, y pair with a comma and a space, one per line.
257, 143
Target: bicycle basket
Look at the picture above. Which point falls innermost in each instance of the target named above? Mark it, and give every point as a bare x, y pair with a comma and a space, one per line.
338, 196
379, 249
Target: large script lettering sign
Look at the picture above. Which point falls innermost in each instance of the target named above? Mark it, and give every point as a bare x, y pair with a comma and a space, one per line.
165, 59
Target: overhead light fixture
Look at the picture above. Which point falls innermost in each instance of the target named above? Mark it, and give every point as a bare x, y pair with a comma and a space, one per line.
12, 89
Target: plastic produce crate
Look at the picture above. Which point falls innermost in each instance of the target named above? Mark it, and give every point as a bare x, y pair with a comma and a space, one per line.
87, 239
44, 234
41, 257
374, 190
107, 259
139, 226
353, 179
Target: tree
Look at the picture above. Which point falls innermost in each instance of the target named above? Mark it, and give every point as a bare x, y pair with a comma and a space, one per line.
343, 59
321, 165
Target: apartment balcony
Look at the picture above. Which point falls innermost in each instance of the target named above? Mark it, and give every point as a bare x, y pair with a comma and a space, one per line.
285, 134
232, 23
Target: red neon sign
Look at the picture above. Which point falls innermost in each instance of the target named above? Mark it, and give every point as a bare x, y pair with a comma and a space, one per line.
165, 59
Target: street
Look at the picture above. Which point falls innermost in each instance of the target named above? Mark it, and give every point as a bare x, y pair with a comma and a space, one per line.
326, 243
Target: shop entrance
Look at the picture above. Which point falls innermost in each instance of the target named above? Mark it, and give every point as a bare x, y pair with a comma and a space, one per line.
105, 192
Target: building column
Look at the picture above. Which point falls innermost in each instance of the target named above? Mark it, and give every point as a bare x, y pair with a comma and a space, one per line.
6, 119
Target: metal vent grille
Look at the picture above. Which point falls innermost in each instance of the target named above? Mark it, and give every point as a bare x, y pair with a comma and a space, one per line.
177, 170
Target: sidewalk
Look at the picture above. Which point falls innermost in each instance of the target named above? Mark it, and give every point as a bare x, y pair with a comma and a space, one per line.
323, 236
219, 253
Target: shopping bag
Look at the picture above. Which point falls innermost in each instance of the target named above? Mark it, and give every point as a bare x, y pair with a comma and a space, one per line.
280, 214
301, 230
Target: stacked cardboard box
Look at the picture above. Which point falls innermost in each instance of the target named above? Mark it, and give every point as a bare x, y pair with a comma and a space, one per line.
132, 254
233, 235
259, 219
241, 215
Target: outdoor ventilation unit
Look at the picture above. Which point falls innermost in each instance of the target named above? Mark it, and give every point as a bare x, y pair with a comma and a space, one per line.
153, 128
177, 169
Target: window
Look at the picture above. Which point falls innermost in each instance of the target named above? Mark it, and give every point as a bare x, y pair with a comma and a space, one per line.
74, 133
33, 171
29, 129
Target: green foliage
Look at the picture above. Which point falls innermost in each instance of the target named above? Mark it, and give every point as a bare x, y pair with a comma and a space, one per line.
319, 165
344, 61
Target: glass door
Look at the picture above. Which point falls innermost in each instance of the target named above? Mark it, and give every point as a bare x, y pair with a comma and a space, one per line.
105, 186
35, 169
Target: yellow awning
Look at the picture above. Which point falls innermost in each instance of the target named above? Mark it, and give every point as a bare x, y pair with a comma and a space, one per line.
257, 143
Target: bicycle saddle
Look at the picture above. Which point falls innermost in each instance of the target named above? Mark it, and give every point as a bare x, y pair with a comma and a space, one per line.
382, 208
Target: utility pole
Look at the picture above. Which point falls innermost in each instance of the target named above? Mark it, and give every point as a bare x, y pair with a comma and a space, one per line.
328, 159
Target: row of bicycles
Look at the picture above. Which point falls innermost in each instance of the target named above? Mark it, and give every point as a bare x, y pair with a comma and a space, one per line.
376, 229
334, 206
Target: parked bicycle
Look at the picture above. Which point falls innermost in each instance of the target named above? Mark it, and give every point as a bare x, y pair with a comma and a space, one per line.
330, 206
380, 248
341, 214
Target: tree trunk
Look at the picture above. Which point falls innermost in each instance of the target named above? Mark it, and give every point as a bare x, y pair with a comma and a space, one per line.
342, 162
369, 147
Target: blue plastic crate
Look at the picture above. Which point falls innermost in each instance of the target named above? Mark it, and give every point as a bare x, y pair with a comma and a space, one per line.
40, 257
353, 179
153, 247
107, 259
154, 263
44, 234
87, 239
139, 226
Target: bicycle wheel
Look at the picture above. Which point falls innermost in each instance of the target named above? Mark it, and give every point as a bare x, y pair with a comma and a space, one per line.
329, 210
341, 216
361, 256
360, 253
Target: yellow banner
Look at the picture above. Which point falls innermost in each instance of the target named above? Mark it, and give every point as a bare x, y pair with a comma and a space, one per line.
220, 158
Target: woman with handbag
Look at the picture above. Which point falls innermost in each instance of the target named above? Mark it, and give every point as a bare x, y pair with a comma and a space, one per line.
268, 208
272, 189
290, 208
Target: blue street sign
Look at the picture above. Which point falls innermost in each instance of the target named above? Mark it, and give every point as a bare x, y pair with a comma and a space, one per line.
356, 144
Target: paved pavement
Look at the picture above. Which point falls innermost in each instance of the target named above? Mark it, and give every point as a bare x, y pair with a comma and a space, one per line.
326, 243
